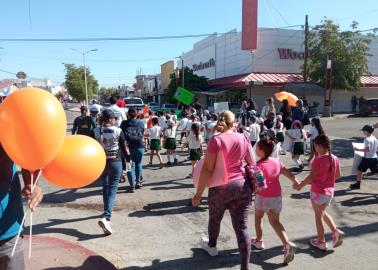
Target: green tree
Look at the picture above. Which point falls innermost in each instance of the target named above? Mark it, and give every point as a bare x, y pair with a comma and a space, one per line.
192, 82
348, 51
75, 82
106, 92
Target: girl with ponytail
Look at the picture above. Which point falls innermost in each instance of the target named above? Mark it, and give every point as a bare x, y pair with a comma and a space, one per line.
269, 201
325, 172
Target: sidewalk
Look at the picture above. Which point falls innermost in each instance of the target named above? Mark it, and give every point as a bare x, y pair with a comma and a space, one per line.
54, 253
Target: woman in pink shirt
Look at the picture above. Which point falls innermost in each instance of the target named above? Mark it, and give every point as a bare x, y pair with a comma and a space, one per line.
269, 200
236, 195
325, 172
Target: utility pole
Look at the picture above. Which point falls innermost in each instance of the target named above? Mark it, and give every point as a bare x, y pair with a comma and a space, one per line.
306, 50
85, 73
183, 72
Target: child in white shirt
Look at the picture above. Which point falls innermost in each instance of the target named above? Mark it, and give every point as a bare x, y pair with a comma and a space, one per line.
155, 134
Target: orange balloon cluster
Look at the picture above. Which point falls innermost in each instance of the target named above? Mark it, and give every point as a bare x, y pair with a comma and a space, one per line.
80, 161
33, 127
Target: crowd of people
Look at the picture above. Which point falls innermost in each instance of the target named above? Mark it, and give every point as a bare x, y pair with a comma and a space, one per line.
248, 139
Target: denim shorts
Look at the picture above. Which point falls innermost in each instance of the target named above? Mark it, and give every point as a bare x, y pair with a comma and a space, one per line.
320, 199
266, 204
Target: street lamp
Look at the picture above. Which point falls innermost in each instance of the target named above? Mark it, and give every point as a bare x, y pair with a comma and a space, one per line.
182, 70
85, 72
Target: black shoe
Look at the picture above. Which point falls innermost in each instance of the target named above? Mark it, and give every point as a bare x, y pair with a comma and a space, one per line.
169, 163
175, 161
132, 190
356, 185
301, 167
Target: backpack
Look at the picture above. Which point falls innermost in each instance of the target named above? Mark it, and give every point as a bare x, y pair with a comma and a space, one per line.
133, 134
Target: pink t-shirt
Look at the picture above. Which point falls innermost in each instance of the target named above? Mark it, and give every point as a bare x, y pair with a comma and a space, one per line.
324, 181
235, 148
271, 169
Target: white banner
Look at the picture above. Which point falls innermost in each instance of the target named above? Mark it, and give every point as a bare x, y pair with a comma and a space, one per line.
220, 107
357, 157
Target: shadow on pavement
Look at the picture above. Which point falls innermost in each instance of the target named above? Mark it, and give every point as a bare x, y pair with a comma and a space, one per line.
358, 199
50, 228
199, 260
342, 148
91, 263
174, 184
71, 195
168, 208
230, 258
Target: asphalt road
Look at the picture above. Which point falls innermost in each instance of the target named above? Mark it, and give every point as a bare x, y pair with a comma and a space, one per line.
157, 228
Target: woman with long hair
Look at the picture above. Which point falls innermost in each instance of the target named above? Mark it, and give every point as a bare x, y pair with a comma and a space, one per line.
268, 108
286, 113
235, 195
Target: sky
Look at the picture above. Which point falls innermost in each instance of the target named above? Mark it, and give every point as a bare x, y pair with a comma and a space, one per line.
118, 62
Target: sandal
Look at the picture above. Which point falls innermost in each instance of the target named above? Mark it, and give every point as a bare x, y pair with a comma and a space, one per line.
122, 179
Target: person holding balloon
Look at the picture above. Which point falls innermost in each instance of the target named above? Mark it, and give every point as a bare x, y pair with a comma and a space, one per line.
45, 149
113, 141
12, 211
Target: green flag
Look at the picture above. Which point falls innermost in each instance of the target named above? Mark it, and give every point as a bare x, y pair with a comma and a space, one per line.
184, 96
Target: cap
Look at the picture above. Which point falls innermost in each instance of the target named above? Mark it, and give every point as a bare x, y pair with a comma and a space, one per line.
107, 114
368, 128
279, 117
93, 109
206, 112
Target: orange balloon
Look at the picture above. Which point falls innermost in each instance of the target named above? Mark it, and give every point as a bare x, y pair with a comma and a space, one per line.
33, 126
80, 161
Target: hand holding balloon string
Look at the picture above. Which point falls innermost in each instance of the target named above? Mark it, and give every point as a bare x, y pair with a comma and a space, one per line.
34, 195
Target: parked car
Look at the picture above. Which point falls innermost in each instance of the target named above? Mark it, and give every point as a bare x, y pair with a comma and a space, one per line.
370, 107
134, 102
153, 105
169, 106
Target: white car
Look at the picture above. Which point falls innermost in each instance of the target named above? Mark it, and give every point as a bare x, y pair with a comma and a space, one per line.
134, 102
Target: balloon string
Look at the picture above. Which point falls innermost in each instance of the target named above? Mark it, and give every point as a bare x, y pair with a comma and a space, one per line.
33, 185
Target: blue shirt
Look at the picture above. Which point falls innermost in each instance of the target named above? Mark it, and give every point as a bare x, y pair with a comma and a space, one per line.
11, 211
133, 130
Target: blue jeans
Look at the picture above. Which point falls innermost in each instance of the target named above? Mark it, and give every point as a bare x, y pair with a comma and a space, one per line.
134, 175
110, 180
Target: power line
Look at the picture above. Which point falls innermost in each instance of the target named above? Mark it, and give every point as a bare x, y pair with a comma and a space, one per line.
143, 38
89, 59
102, 38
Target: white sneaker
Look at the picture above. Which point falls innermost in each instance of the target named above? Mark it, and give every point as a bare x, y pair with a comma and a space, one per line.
105, 226
204, 245
289, 252
259, 245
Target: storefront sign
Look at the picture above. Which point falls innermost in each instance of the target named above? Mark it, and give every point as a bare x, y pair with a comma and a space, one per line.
289, 54
201, 66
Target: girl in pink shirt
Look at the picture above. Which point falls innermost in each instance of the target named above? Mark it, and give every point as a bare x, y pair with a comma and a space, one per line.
325, 172
269, 200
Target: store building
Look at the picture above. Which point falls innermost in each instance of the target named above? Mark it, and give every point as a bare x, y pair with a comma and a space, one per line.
165, 74
234, 73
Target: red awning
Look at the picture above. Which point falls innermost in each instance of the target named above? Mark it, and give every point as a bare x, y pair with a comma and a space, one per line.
266, 79
369, 80
273, 80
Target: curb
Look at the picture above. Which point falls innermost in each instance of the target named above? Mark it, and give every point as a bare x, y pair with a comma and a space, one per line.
52, 253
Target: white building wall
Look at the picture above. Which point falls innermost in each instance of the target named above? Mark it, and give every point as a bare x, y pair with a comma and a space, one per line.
231, 60
267, 58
